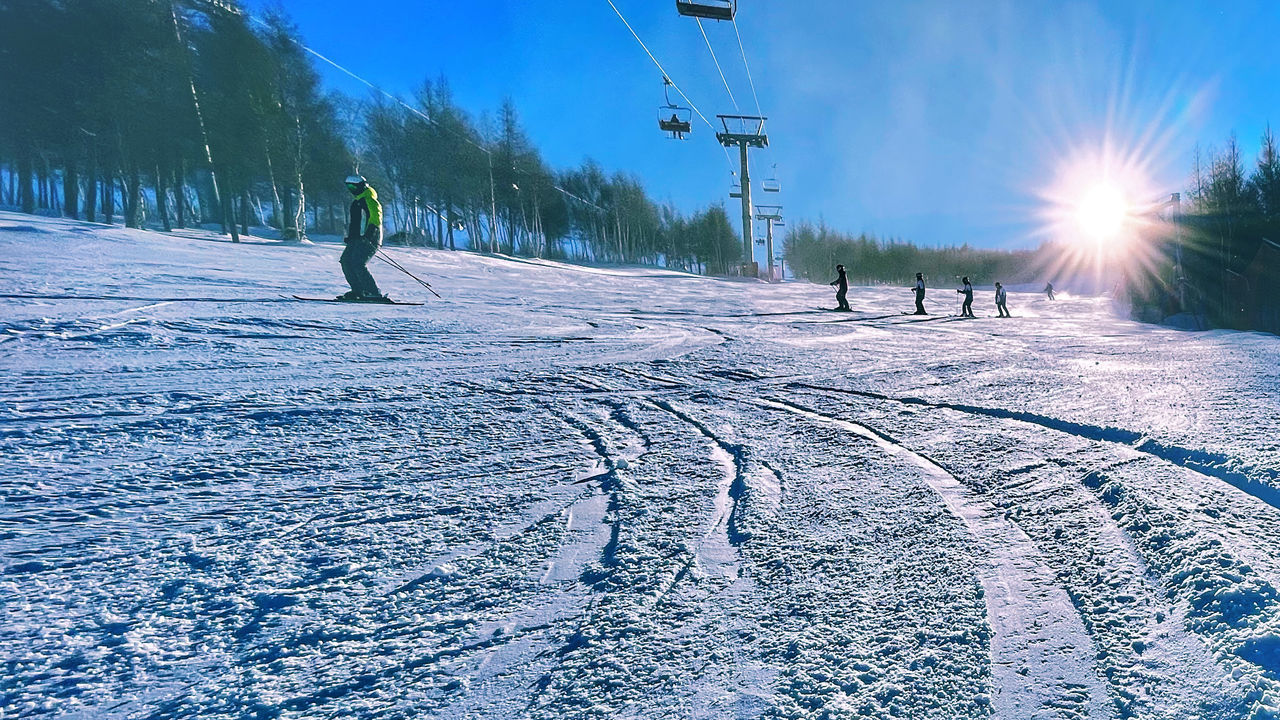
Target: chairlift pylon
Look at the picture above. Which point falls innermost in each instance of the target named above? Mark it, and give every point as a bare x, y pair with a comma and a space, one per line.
671, 117
708, 9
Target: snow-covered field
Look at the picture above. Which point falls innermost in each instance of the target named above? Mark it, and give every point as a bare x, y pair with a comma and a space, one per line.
568, 492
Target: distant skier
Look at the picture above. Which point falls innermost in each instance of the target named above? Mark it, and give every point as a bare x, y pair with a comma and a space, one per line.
1048, 290
841, 284
966, 310
919, 291
364, 237
1002, 298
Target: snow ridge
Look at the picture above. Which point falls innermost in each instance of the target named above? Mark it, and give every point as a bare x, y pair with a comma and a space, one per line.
1257, 481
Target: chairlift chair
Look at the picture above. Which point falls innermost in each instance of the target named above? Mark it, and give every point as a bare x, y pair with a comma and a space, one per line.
671, 117
735, 190
771, 184
709, 9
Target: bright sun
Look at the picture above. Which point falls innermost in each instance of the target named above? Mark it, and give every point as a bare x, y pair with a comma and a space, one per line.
1102, 212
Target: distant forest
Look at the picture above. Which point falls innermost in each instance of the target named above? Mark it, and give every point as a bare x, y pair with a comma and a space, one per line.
812, 251
190, 112
1216, 260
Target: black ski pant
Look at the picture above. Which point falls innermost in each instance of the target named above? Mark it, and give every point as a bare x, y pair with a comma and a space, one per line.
966, 310
1003, 310
841, 302
358, 253
920, 303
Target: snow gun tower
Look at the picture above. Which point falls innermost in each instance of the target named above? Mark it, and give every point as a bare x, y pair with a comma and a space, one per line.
772, 216
745, 131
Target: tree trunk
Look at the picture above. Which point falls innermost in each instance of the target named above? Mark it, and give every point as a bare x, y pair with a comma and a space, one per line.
71, 191
162, 200
439, 229
42, 190
448, 208
133, 198
277, 217
91, 192
258, 214
244, 212
224, 210
300, 213
108, 198
25, 197
180, 192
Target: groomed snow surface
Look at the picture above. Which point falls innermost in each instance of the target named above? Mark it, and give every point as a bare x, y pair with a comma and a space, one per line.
566, 492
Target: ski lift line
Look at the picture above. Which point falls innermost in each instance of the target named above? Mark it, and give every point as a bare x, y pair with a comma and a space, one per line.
746, 65
716, 60
416, 111
393, 98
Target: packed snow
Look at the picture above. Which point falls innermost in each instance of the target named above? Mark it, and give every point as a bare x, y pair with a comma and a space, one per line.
574, 492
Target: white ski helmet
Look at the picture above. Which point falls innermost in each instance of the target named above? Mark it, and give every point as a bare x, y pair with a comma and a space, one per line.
355, 180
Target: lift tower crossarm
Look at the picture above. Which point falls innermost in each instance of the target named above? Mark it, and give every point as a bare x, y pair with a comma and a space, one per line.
749, 133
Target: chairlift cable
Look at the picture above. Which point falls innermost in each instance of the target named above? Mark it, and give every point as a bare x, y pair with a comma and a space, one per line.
746, 65
661, 69
716, 60
581, 200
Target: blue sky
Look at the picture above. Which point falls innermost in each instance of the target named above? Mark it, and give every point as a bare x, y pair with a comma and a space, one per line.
935, 121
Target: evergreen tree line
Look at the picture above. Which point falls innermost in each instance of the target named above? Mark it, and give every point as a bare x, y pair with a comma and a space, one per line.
1218, 260
172, 113
440, 171
813, 251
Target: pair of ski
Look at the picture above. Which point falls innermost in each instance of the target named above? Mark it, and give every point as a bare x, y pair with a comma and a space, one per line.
361, 301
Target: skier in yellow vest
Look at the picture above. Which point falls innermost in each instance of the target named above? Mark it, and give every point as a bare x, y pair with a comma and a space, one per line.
364, 238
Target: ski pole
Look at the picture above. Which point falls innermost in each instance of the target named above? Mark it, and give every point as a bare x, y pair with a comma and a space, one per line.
386, 259
393, 263
396, 264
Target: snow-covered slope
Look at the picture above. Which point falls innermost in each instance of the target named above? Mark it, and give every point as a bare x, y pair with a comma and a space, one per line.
568, 492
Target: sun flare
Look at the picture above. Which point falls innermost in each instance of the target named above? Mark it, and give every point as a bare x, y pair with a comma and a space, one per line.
1097, 209
1102, 212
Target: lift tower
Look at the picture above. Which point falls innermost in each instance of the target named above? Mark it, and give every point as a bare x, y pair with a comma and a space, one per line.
746, 131
771, 215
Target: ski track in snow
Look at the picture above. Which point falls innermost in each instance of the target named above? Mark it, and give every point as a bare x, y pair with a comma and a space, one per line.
1042, 657
624, 493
